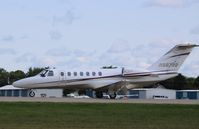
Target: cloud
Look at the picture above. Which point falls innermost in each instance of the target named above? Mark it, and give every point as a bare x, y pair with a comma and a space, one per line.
119, 46
59, 52
82, 59
56, 19
152, 51
191, 65
55, 35
77, 62
171, 3
23, 37
121, 53
78, 52
63, 1
64, 52
195, 30
71, 58
135, 56
32, 60
8, 38
25, 58
167, 2
66, 19
47, 62
11, 38
7, 51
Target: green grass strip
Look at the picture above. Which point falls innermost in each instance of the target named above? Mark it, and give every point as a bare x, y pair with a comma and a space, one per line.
97, 116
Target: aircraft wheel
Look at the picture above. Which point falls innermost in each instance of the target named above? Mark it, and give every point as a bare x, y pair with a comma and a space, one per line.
31, 93
112, 96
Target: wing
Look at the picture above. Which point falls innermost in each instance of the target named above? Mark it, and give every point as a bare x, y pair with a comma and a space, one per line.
117, 86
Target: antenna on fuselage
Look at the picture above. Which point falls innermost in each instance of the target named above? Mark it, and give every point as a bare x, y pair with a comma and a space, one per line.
109, 67
47, 68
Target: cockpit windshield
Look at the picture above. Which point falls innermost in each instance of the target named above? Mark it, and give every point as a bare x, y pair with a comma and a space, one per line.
43, 73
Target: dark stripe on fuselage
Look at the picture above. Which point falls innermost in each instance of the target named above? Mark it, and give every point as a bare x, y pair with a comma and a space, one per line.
180, 55
142, 75
145, 73
105, 77
75, 80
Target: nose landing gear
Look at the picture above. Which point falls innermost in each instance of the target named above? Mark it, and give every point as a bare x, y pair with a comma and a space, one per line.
32, 93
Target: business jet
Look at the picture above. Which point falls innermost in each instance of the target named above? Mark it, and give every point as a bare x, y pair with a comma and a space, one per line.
110, 79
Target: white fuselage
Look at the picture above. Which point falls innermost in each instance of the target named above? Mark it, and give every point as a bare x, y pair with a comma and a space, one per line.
92, 79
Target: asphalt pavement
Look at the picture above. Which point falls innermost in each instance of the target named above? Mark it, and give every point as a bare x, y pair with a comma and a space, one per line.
80, 100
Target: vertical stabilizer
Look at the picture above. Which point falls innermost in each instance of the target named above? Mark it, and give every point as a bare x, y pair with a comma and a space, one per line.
173, 59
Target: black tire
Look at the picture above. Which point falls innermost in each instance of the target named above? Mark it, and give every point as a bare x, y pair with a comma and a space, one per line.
112, 96
32, 93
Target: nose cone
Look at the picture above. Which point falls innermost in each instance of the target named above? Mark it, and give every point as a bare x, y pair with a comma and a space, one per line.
19, 84
23, 83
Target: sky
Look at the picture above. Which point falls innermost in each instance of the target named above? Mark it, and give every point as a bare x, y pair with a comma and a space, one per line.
94, 33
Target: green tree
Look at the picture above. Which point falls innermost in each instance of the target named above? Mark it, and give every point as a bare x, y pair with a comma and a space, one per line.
177, 83
190, 83
196, 83
34, 71
180, 82
16, 75
3, 77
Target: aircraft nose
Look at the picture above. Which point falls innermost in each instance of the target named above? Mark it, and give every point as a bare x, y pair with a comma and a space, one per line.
23, 83
18, 84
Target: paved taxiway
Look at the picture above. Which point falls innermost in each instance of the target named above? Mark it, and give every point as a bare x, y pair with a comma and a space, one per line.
72, 100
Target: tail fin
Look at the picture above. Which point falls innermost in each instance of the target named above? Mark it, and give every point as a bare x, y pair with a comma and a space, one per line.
173, 59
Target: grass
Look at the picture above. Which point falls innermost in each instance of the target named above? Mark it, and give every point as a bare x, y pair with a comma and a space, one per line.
97, 116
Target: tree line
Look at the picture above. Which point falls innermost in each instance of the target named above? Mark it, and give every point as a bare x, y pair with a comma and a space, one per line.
7, 78
179, 82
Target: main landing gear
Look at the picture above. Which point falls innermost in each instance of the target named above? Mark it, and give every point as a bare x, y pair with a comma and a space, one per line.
113, 95
99, 94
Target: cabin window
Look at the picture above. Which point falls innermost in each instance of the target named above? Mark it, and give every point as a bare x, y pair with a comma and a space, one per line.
69, 73
93, 73
87, 74
75, 73
100, 73
50, 73
81, 74
62, 74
